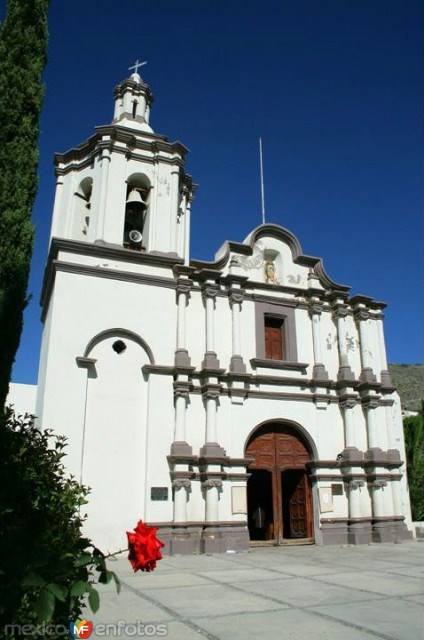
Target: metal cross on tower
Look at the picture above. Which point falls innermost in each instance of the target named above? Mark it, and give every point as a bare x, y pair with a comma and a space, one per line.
136, 65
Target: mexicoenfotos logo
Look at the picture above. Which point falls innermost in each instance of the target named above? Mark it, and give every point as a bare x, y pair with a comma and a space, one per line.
81, 629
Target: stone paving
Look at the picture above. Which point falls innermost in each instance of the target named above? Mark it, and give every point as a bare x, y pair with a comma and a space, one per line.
289, 593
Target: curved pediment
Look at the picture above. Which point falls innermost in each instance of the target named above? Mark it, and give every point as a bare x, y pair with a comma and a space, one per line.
272, 254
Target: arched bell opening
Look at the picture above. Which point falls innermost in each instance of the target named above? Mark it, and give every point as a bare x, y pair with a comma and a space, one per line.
279, 493
82, 209
136, 210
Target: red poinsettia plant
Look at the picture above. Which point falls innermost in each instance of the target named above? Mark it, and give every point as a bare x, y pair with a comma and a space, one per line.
144, 547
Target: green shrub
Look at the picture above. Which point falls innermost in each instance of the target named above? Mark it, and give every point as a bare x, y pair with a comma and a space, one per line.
414, 445
47, 567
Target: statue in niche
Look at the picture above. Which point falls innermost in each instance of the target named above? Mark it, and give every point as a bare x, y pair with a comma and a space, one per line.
270, 272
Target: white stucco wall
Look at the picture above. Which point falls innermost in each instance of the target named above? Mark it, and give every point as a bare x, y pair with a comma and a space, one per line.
22, 397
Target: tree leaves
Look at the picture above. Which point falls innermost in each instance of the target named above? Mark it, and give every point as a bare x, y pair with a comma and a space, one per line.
44, 605
94, 600
79, 588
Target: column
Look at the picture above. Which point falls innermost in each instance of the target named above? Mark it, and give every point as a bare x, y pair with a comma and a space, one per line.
211, 448
396, 495
315, 310
385, 374
105, 162
354, 499
181, 394
210, 291
183, 295
347, 405
345, 373
186, 236
371, 407
181, 488
362, 315
377, 498
211, 396
212, 488
236, 296
174, 213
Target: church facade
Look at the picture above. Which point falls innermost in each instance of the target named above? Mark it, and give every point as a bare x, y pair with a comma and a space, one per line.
241, 400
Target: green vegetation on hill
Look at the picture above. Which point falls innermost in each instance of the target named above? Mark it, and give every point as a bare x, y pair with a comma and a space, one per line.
409, 381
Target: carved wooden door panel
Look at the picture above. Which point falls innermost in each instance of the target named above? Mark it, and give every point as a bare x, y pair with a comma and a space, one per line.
298, 509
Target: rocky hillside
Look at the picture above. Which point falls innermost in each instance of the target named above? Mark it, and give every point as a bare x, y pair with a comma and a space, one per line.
409, 381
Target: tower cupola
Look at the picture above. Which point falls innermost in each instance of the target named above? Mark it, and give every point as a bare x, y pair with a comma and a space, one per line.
133, 99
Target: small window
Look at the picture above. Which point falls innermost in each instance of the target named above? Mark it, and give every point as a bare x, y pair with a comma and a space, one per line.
274, 338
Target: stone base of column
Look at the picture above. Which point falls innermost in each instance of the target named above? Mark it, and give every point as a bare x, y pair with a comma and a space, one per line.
386, 380
367, 375
359, 531
212, 540
217, 539
390, 529
212, 450
319, 372
181, 448
351, 454
334, 531
237, 365
376, 456
187, 538
182, 359
345, 374
210, 361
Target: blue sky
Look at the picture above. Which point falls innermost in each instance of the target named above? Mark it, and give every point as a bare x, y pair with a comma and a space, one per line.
335, 90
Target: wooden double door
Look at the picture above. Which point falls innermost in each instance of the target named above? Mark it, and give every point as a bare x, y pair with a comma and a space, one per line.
278, 490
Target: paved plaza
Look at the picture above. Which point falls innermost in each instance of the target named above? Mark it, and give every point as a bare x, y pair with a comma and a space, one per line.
289, 593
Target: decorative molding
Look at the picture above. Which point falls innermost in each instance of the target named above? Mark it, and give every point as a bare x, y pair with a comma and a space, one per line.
361, 314
212, 483
184, 286
86, 363
210, 290
181, 483
182, 389
355, 484
279, 364
236, 296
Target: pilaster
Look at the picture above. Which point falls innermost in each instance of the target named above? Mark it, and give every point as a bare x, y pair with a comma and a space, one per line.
209, 292
315, 311
362, 316
340, 312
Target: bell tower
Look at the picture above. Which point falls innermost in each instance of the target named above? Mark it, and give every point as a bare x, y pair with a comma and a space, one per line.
126, 185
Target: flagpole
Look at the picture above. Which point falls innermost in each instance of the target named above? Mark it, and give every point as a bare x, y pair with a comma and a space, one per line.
262, 181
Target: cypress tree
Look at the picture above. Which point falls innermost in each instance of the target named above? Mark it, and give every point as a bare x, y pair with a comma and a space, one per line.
23, 54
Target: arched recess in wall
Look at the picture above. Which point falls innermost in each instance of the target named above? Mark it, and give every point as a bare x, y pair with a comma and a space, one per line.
137, 203
117, 332
82, 209
114, 443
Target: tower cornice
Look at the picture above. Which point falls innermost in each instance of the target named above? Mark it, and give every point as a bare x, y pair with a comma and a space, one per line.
132, 138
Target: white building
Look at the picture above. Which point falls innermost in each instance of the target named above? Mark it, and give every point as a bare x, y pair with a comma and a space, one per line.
243, 398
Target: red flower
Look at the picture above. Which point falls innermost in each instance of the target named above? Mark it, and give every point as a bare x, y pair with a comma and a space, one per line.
144, 547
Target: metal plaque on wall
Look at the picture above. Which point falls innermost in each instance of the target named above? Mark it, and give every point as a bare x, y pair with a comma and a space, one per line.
159, 493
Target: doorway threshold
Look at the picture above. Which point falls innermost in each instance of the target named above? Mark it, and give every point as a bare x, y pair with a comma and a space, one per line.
295, 542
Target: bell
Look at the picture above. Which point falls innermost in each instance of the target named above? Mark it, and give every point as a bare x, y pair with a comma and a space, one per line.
135, 202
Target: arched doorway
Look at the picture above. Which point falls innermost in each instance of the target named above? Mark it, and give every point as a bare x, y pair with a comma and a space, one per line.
279, 493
